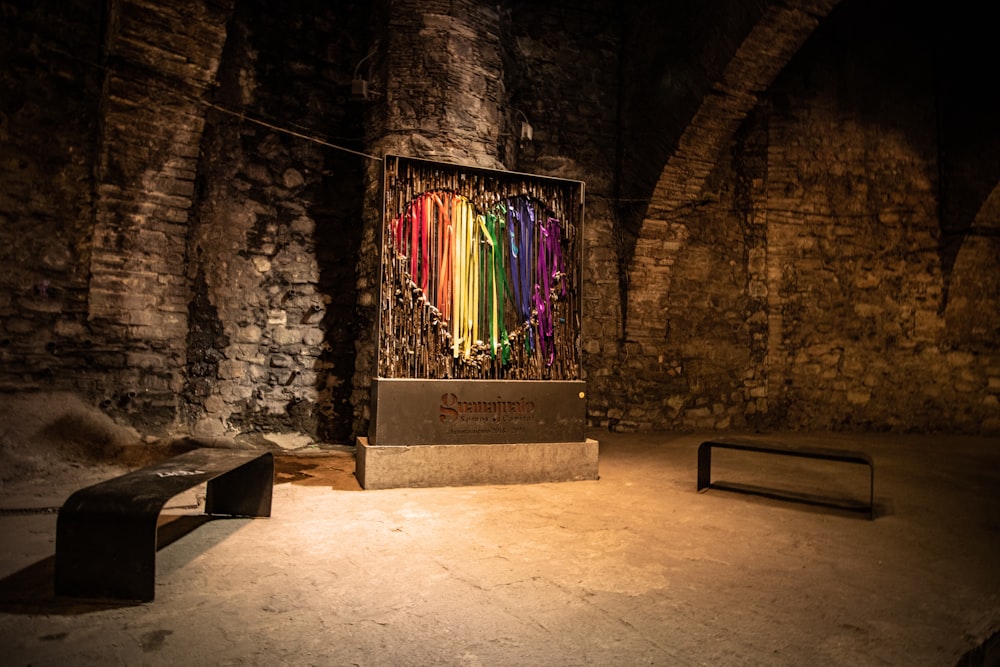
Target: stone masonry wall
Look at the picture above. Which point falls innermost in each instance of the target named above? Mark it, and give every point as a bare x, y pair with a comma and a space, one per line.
806, 286
858, 337
161, 60
274, 315
49, 86
970, 199
740, 61
191, 196
708, 371
672, 55
102, 124
854, 277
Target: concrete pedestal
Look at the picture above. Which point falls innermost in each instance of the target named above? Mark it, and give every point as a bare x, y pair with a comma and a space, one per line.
387, 467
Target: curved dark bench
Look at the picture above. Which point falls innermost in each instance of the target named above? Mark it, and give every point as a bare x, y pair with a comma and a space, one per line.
106, 534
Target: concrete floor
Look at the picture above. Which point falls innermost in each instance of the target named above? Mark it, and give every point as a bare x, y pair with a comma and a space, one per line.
635, 568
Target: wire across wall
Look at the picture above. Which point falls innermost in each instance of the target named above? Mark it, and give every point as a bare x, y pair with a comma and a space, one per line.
480, 274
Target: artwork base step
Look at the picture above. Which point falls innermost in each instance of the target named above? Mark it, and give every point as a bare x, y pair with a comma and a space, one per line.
388, 467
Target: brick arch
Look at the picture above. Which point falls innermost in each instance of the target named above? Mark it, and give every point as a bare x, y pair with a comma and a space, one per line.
972, 284
766, 49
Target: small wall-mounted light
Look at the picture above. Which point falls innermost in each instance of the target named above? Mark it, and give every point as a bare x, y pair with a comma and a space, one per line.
359, 90
527, 132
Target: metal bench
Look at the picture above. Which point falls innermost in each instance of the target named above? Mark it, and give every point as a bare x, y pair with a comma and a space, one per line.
106, 534
850, 457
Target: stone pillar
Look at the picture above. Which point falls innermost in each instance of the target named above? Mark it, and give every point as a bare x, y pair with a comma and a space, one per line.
162, 58
443, 92
437, 93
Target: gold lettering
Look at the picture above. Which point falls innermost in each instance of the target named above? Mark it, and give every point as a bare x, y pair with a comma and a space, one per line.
448, 412
452, 409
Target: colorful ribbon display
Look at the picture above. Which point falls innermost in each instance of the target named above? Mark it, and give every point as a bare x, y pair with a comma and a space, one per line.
484, 274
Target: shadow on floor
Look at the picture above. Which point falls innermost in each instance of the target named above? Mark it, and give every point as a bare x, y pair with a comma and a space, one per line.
808, 501
31, 590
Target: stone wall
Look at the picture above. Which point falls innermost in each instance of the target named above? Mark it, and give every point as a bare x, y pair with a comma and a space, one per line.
856, 281
854, 275
273, 251
191, 193
49, 90
672, 53
160, 62
709, 369
739, 62
103, 124
806, 288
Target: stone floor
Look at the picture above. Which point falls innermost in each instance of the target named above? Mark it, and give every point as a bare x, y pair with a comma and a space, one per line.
635, 568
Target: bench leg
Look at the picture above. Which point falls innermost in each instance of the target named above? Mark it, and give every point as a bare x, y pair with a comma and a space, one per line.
105, 556
871, 492
243, 491
704, 466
